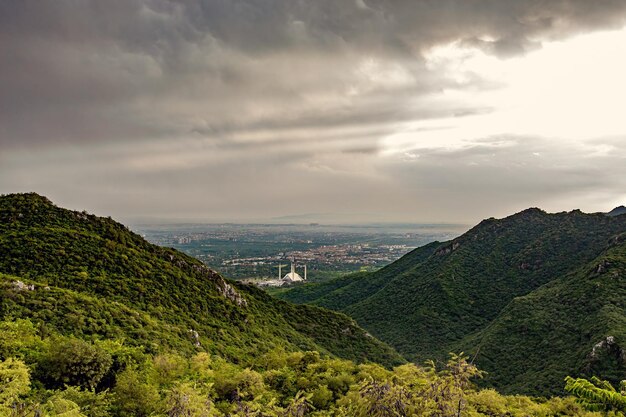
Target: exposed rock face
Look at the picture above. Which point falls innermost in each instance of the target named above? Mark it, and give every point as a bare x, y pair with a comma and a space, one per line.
195, 337
606, 351
223, 287
607, 346
529, 265
20, 286
602, 267
448, 249
82, 215
443, 251
603, 344
229, 292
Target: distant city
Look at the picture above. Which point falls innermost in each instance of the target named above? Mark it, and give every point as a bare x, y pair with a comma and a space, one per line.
254, 251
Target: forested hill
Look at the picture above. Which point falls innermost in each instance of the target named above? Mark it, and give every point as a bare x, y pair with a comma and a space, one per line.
429, 302
75, 273
574, 325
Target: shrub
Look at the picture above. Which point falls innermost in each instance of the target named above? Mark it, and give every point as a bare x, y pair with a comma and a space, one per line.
74, 362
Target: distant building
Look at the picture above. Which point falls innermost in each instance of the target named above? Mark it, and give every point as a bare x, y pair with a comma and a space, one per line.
292, 276
287, 279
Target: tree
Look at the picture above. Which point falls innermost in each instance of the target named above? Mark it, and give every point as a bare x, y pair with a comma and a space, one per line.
183, 400
17, 337
60, 407
14, 382
75, 362
91, 403
133, 396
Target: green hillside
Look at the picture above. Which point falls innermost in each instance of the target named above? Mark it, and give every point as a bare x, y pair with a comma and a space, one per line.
96, 322
575, 324
94, 278
426, 303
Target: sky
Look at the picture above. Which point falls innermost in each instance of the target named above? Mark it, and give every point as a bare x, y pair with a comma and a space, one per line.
343, 111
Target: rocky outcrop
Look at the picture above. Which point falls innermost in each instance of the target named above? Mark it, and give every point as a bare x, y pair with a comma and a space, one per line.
604, 344
224, 288
195, 337
602, 267
20, 286
607, 347
448, 249
529, 265
227, 290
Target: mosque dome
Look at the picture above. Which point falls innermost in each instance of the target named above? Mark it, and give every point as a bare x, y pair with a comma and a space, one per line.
293, 277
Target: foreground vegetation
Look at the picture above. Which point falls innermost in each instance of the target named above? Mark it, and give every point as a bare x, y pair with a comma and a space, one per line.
67, 376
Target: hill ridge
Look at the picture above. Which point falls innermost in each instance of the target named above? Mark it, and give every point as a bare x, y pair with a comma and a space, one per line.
434, 301
617, 211
98, 257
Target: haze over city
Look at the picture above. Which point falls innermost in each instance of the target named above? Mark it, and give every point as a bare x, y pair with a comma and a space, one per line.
296, 111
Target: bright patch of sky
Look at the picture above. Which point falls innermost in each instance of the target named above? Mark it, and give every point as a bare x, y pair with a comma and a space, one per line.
572, 90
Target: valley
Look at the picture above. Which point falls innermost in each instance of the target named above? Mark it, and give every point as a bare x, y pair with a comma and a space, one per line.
104, 323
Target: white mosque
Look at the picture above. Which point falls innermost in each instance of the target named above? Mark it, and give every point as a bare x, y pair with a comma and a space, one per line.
292, 276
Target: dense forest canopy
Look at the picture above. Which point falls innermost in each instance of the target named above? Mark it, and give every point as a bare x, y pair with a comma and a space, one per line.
67, 376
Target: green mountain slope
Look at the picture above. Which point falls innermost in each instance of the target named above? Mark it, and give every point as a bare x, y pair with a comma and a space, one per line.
429, 304
574, 325
94, 277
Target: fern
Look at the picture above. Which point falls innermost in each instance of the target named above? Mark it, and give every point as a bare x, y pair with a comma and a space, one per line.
597, 395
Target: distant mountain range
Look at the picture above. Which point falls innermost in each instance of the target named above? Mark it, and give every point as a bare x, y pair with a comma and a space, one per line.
77, 274
533, 297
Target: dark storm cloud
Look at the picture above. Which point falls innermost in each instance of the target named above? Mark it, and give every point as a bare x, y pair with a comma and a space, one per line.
149, 101
93, 70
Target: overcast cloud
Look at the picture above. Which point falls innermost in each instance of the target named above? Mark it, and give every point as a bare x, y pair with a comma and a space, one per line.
370, 110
